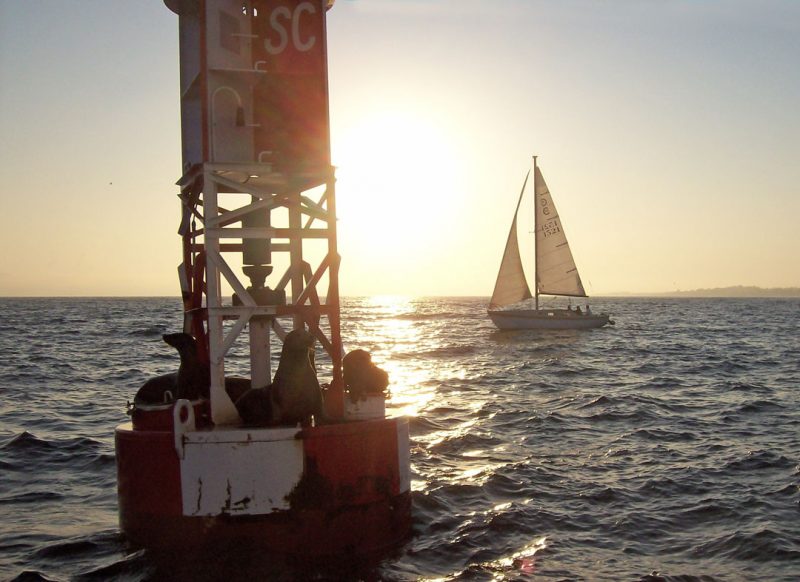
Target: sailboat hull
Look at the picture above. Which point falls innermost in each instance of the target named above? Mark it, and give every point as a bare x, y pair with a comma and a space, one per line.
546, 319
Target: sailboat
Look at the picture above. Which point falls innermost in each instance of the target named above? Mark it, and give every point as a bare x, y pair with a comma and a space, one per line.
556, 273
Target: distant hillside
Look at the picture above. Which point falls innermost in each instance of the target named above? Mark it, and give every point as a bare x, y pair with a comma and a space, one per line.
738, 291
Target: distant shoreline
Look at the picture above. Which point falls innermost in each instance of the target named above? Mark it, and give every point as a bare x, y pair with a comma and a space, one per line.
738, 291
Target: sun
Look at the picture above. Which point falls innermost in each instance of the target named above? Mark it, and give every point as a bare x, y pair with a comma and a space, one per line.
397, 181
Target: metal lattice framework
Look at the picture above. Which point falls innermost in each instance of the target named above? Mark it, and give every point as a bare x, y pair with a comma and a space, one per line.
212, 232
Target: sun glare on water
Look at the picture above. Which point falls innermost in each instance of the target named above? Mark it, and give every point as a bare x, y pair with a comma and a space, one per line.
398, 337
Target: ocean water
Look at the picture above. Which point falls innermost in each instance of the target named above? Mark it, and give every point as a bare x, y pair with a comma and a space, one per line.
666, 447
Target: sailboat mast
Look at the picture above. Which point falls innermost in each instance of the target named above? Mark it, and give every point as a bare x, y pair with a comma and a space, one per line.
535, 235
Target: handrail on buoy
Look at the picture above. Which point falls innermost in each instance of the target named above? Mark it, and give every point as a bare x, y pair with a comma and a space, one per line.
182, 422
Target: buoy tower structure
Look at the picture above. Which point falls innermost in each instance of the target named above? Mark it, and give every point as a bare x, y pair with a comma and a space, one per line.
258, 204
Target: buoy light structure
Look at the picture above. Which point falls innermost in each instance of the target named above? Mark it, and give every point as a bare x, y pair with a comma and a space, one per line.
257, 185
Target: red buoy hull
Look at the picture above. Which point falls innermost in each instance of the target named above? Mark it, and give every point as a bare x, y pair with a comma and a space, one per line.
350, 493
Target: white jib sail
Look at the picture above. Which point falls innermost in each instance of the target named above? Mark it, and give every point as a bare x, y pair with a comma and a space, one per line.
511, 285
556, 273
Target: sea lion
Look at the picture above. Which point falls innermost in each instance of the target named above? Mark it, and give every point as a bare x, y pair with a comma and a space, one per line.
194, 378
158, 390
255, 406
294, 395
361, 376
236, 387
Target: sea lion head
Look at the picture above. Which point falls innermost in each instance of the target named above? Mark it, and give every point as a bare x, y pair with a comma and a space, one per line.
182, 342
299, 339
354, 362
361, 376
298, 345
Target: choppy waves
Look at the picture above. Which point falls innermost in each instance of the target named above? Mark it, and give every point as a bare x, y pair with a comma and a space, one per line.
664, 448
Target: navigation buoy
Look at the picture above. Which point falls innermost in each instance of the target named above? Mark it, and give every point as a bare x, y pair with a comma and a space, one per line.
258, 183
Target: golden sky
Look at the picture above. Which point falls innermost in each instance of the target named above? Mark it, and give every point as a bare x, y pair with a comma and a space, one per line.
668, 133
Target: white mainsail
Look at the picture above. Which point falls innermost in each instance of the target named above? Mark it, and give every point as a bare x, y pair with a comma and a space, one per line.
556, 273
511, 285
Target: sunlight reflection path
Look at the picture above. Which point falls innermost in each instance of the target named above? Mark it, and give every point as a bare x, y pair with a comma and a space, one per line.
392, 341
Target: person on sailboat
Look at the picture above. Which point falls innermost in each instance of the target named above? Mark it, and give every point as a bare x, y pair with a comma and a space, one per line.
578, 310
588, 310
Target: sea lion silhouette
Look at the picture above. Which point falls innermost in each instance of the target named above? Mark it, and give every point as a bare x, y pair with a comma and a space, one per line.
193, 379
255, 406
294, 395
361, 376
236, 387
158, 390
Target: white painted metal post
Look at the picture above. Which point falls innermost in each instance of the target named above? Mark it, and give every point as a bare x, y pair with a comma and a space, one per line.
260, 373
296, 252
222, 409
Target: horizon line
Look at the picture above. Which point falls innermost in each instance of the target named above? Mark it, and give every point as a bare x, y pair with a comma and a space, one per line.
744, 289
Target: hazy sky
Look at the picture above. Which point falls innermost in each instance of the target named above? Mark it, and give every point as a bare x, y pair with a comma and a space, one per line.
668, 132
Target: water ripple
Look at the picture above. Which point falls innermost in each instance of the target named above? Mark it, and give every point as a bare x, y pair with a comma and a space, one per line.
662, 449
